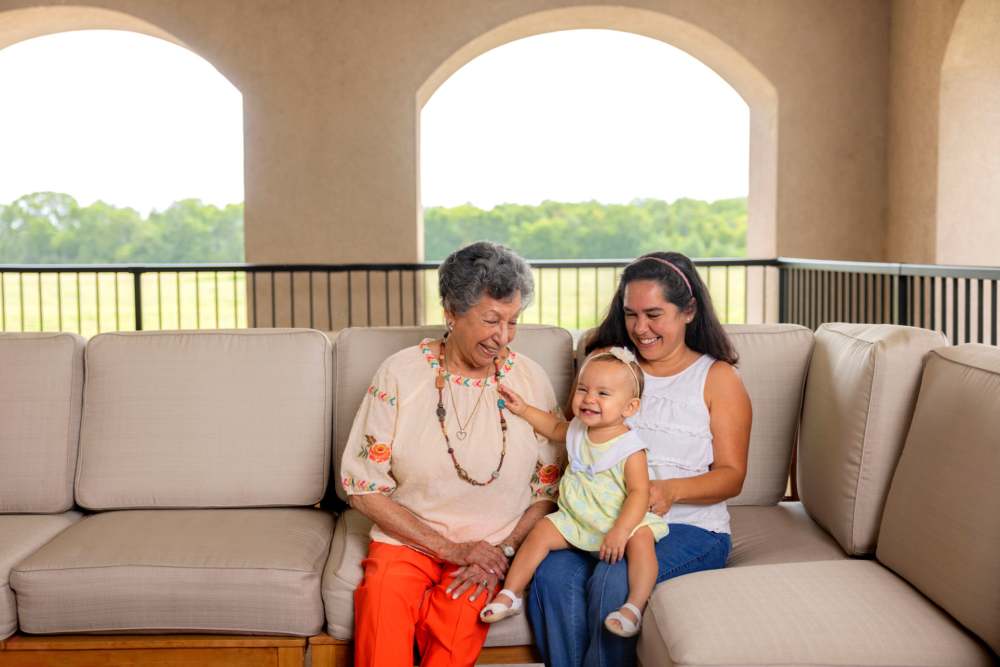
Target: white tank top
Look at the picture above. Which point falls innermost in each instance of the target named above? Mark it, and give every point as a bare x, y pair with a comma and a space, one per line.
673, 421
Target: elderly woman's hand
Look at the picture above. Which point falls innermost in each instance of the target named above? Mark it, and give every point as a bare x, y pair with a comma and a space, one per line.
480, 553
476, 578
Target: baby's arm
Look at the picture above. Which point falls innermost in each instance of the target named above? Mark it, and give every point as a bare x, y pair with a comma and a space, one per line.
545, 423
633, 509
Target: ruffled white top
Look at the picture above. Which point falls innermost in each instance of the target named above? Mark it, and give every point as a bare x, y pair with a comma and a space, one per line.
673, 421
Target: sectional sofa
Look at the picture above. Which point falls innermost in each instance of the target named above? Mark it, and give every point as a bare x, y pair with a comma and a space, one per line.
163, 502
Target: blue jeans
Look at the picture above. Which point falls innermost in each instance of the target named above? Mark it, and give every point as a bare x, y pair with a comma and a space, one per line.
572, 592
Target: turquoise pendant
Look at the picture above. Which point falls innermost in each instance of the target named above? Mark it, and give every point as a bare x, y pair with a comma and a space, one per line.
501, 404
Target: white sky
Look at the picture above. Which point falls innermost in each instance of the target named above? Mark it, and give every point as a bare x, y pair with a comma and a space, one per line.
572, 116
580, 115
125, 118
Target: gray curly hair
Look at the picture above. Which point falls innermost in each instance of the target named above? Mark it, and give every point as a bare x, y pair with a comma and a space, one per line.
482, 268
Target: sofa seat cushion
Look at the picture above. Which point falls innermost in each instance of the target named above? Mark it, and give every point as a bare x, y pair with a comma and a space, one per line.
847, 612
343, 574
782, 533
20, 536
240, 571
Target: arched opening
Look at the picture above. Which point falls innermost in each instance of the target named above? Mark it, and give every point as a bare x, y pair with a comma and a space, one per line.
758, 93
586, 144
969, 139
121, 145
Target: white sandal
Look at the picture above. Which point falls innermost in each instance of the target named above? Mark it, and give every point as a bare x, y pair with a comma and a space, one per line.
628, 627
497, 611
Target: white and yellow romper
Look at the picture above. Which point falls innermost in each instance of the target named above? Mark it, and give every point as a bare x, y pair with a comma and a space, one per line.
592, 490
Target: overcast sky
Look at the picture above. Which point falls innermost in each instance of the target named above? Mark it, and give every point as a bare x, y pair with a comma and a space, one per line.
572, 116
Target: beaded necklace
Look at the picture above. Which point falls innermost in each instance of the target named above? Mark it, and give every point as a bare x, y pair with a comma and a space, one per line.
439, 384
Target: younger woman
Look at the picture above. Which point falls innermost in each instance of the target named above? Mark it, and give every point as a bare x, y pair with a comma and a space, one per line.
604, 494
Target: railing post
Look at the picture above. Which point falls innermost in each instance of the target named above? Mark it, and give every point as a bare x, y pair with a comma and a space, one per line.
137, 297
782, 294
902, 314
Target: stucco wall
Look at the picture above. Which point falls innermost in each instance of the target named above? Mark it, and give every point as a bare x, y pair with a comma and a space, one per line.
330, 95
919, 38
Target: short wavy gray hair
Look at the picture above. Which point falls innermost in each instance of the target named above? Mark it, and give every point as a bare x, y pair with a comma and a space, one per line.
482, 268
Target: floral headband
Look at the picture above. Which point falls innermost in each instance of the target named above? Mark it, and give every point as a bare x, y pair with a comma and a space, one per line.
623, 355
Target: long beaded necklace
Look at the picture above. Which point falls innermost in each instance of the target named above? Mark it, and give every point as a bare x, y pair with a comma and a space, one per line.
439, 384
462, 433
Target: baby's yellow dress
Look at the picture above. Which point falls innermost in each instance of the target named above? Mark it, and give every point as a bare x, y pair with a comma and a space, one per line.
592, 490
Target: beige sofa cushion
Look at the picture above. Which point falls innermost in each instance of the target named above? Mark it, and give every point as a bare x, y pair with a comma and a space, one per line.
240, 570
343, 574
20, 535
859, 398
781, 533
941, 530
773, 363
847, 612
205, 419
358, 352
41, 383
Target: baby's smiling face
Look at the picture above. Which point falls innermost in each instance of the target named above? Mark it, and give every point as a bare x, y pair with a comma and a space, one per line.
605, 394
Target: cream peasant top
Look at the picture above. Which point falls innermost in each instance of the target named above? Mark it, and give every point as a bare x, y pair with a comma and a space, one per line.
396, 447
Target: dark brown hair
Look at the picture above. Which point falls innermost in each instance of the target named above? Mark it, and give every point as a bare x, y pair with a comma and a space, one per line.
704, 334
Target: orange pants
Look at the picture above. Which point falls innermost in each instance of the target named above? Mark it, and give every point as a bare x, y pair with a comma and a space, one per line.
401, 599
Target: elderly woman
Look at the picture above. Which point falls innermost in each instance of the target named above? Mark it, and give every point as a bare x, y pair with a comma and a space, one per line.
695, 420
452, 485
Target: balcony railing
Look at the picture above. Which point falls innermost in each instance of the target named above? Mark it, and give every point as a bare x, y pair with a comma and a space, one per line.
961, 301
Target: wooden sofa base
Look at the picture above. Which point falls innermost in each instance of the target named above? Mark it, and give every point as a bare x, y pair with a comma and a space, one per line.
159, 650
330, 652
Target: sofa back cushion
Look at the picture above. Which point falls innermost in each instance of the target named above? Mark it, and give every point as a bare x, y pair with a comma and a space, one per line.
41, 383
773, 363
359, 351
860, 394
940, 530
205, 419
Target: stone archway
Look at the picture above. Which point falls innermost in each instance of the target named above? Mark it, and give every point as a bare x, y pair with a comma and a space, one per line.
969, 139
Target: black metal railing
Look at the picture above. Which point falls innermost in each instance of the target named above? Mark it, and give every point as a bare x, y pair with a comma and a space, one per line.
961, 301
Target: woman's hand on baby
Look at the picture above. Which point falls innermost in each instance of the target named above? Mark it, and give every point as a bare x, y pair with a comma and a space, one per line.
659, 503
613, 546
482, 554
475, 578
513, 400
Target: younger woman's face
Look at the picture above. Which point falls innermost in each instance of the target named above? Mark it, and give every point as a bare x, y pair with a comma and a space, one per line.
655, 326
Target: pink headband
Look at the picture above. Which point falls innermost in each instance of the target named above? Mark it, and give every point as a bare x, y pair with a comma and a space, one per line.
672, 266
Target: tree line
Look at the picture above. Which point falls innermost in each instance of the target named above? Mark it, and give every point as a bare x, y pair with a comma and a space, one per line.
591, 230
53, 228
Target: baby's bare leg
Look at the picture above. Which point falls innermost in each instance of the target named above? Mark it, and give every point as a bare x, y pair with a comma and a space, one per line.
542, 539
640, 551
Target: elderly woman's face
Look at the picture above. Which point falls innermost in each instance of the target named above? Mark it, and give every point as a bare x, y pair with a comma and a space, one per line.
481, 333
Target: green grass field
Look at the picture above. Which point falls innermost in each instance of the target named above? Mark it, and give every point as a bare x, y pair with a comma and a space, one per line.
90, 303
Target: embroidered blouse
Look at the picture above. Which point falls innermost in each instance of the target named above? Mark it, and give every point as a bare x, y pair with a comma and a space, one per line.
396, 447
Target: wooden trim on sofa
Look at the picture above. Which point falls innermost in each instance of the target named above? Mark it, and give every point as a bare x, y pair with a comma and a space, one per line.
164, 650
330, 652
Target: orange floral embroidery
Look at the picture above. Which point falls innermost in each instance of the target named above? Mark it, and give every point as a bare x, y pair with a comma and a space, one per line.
379, 452
548, 474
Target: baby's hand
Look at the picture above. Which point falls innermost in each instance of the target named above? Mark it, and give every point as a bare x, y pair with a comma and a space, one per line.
513, 401
613, 546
